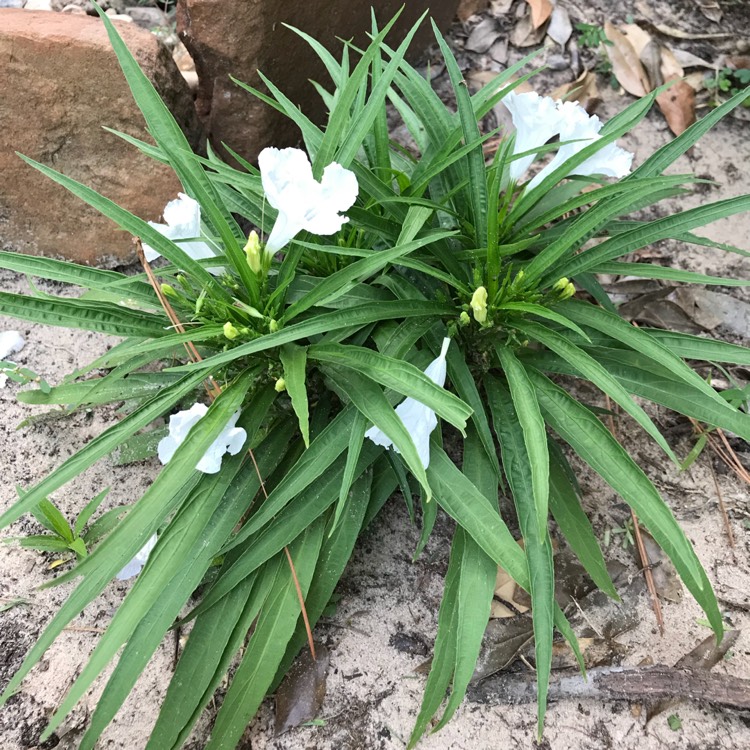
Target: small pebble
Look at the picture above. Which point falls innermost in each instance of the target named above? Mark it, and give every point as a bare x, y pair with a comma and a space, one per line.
558, 62
11, 3
74, 10
119, 17
38, 5
743, 45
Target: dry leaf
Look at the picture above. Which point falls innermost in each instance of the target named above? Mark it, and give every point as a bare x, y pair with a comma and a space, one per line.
666, 580
482, 36
737, 62
509, 591
499, 51
583, 90
679, 34
637, 36
625, 63
677, 104
687, 59
302, 691
540, 11
670, 67
650, 57
524, 34
469, 8
710, 9
696, 81
503, 641
559, 28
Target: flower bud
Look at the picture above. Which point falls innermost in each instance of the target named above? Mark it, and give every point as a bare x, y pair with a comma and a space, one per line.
273, 326
464, 318
280, 385
560, 285
230, 331
479, 304
569, 291
252, 252
167, 290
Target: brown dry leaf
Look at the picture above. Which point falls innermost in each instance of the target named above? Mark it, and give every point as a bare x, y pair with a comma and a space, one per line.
687, 59
670, 67
637, 36
710, 9
650, 57
508, 591
503, 642
302, 691
737, 62
677, 104
583, 90
540, 11
679, 34
524, 33
469, 8
625, 63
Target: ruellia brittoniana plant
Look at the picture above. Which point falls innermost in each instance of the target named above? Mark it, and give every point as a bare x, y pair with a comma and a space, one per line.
312, 329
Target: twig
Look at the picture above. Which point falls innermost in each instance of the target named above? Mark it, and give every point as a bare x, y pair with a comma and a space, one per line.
722, 507
214, 390
642, 553
621, 683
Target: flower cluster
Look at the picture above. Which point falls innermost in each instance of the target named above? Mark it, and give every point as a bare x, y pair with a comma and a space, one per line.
537, 119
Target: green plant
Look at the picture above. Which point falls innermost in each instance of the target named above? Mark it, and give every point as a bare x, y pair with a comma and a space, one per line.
303, 353
62, 537
728, 82
591, 35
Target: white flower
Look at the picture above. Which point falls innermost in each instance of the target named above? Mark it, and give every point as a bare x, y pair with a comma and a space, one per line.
134, 567
583, 129
418, 419
230, 440
539, 118
302, 201
183, 217
536, 119
11, 342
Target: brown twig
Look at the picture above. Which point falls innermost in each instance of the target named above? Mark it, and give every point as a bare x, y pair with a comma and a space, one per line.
214, 390
642, 553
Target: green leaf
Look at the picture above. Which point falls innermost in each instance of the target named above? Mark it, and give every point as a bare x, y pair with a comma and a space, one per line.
565, 505
294, 360
593, 442
101, 317
652, 271
598, 375
88, 511
529, 417
699, 347
519, 464
396, 374
369, 399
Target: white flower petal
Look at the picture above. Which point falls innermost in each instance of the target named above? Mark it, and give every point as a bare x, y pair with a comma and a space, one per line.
230, 440
302, 202
183, 217
536, 119
11, 342
134, 567
418, 418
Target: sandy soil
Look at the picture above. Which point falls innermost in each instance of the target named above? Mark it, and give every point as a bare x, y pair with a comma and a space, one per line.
385, 621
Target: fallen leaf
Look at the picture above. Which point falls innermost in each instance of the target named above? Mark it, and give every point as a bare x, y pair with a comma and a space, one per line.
679, 34
583, 90
666, 580
509, 591
302, 691
482, 36
737, 62
503, 641
713, 309
650, 57
696, 81
637, 36
626, 66
469, 8
559, 28
524, 34
499, 51
677, 104
540, 11
710, 9
670, 67
687, 59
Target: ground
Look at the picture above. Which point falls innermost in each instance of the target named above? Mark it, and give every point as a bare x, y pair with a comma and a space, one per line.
385, 619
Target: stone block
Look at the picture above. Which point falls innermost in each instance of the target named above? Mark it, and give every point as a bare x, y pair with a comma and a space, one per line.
61, 86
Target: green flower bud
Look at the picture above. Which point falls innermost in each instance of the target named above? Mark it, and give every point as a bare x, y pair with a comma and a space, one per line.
479, 304
569, 291
464, 318
230, 331
560, 285
273, 326
252, 252
168, 291
280, 385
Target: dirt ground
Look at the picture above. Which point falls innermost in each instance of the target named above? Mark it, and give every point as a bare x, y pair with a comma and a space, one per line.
386, 615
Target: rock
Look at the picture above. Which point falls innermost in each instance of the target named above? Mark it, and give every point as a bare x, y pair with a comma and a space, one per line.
120, 17
118, 6
61, 84
238, 38
38, 5
74, 9
12, 3
147, 18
